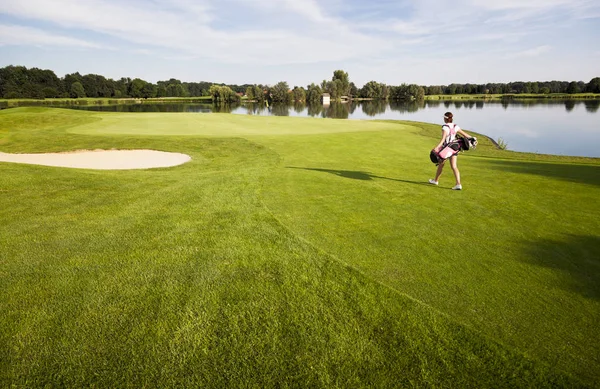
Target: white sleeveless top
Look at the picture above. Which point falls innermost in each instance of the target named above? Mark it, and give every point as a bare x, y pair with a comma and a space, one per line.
452, 130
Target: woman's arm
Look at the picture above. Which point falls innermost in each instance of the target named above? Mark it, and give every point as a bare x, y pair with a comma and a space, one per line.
445, 134
464, 134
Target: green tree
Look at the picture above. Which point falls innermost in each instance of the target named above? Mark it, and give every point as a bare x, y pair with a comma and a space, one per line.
353, 90
161, 91
298, 94
223, 94
77, 90
593, 86
175, 90
450, 89
341, 83
121, 87
49, 92
434, 90
416, 92
90, 86
370, 90
44, 79
12, 79
135, 88
96, 86
259, 93
374, 90
407, 92
249, 93
573, 88
32, 90
69, 79
331, 87
149, 90
337, 89
280, 92
313, 94
385, 92
254, 92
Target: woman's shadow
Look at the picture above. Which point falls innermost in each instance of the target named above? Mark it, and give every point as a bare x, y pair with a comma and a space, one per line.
357, 175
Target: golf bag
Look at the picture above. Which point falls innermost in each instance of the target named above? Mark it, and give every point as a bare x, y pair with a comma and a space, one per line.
452, 148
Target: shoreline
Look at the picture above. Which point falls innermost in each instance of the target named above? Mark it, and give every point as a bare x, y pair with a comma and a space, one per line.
10, 103
511, 96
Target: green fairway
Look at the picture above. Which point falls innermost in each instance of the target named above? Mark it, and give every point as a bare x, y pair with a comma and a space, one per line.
292, 252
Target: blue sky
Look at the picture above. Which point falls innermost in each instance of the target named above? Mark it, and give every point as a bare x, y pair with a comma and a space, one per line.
426, 42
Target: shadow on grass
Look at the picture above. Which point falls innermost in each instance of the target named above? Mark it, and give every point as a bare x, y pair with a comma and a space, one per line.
577, 258
585, 174
358, 175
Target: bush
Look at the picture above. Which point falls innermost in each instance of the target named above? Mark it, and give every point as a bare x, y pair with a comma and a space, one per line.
502, 145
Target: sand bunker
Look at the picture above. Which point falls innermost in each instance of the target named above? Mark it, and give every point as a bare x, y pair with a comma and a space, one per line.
102, 159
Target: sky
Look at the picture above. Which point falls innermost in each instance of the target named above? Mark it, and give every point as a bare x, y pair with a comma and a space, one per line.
426, 42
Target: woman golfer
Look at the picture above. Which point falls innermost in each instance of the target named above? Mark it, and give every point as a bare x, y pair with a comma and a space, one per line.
449, 131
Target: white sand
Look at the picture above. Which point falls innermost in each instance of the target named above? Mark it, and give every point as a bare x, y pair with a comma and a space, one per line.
102, 159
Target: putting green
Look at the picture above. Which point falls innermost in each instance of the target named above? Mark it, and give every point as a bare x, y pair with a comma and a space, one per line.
221, 125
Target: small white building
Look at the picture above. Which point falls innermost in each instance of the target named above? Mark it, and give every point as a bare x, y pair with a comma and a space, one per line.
326, 98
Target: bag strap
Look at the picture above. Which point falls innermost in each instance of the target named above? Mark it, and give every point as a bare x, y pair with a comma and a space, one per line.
450, 130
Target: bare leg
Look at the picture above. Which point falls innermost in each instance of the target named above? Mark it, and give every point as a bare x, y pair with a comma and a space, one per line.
439, 171
454, 167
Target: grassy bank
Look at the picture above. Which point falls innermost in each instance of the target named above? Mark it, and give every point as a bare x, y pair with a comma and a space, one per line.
292, 252
561, 96
12, 103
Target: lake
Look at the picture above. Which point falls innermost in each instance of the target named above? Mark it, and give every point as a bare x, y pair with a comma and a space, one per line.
564, 127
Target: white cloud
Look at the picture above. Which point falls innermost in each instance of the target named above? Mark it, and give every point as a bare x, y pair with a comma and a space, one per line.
307, 8
19, 35
533, 52
190, 33
522, 10
521, 4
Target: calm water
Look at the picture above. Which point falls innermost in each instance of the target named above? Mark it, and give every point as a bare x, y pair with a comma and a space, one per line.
541, 126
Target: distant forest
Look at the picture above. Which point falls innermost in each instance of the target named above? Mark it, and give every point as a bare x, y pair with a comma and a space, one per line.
18, 82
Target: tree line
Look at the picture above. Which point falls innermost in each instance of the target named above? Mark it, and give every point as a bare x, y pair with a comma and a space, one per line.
536, 87
18, 82
34, 83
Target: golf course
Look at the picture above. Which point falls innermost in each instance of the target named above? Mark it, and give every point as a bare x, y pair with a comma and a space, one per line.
292, 252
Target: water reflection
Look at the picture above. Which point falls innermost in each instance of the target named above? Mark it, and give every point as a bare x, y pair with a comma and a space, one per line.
332, 111
569, 105
592, 105
197, 108
407, 107
280, 110
338, 110
374, 108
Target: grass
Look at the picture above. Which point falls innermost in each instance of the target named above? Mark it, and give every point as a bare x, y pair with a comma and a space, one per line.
292, 252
